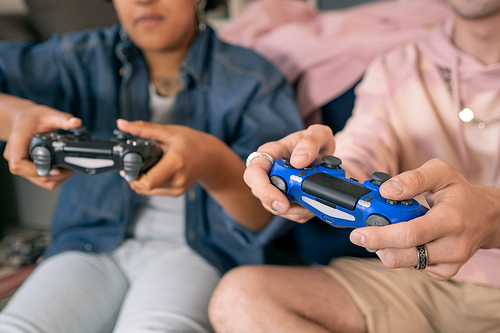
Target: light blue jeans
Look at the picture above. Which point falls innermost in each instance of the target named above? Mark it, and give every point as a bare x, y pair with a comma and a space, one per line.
149, 284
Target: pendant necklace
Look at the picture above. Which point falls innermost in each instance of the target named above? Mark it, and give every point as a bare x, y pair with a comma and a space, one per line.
466, 115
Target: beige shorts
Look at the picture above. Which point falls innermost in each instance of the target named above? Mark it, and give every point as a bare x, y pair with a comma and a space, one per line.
406, 300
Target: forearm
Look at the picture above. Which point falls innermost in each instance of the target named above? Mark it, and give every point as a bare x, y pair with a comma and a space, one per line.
224, 182
10, 107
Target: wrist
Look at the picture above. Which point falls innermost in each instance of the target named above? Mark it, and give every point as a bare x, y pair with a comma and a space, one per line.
492, 236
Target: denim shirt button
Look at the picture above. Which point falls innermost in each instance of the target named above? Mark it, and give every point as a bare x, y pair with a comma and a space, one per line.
121, 71
88, 247
192, 195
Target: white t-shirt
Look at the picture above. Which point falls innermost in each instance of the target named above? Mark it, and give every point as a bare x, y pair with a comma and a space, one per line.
160, 216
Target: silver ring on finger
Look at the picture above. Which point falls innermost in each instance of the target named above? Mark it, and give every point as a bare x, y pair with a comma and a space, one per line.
256, 154
421, 257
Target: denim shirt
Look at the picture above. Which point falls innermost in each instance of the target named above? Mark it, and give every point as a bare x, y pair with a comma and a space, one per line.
100, 75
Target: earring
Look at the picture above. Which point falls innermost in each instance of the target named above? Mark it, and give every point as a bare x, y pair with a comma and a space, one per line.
200, 14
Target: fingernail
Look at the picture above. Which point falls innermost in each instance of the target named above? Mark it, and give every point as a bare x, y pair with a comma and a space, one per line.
278, 206
393, 187
55, 172
357, 238
299, 157
121, 121
74, 120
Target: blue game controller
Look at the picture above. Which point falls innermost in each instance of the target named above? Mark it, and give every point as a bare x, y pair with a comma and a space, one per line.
339, 201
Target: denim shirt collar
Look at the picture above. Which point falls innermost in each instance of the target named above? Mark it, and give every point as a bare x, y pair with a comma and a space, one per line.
192, 66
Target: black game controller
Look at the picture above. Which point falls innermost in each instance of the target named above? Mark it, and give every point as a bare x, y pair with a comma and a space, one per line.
77, 151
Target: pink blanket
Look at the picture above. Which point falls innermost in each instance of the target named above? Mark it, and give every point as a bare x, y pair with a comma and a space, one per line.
324, 53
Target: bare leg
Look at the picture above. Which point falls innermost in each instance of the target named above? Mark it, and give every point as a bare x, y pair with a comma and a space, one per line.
283, 299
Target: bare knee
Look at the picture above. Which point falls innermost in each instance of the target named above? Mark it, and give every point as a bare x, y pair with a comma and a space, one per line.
234, 300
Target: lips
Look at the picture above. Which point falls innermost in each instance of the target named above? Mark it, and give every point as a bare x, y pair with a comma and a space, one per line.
149, 20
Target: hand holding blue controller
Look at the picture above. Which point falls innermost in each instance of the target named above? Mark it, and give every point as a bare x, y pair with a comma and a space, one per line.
339, 201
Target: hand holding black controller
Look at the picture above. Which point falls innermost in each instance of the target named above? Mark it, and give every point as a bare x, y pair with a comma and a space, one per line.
77, 151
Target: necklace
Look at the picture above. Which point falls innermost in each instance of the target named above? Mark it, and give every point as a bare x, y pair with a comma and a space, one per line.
466, 114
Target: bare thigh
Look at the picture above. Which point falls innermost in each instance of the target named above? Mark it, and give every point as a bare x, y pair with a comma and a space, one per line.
283, 299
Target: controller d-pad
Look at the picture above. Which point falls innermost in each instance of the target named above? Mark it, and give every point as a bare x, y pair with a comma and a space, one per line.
391, 202
407, 202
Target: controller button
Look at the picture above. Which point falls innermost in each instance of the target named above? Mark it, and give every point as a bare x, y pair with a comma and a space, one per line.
363, 203
79, 133
280, 183
354, 180
369, 198
407, 202
377, 220
288, 165
119, 134
379, 178
392, 202
308, 168
302, 173
331, 162
285, 159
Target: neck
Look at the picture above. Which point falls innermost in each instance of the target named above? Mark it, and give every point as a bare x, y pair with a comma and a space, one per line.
162, 63
479, 37
163, 69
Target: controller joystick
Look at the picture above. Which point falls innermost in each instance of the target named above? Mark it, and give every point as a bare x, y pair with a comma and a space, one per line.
331, 162
120, 135
378, 178
76, 150
79, 133
339, 201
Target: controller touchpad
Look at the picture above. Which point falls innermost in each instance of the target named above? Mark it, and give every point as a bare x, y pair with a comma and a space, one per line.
338, 191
